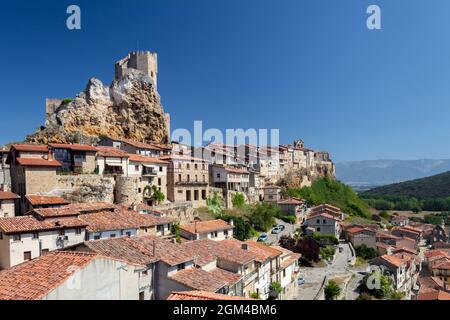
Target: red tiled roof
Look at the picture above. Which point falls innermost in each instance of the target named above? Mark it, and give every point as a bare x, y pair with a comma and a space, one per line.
200, 279
144, 159
290, 260
107, 220
326, 206
110, 152
6, 195
394, 260
36, 162
89, 207
207, 250
35, 279
202, 295
444, 265
30, 148
434, 295
325, 215
74, 147
31, 224
165, 250
360, 229
292, 201
273, 253
46, 200
64, 211
206, 226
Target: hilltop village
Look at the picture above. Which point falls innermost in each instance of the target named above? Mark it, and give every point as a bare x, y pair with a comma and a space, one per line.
100, 192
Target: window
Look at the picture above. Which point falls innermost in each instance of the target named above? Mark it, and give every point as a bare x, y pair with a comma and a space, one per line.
62, 232
218, 175
318, 229
136, 168
196, 178
44, 252
188, 195
128, 234
204, 178
188, 178
97, 237
16, 237
181, 266
196, 166
35, 235
27, 255
187, 166
160, 169
324, 221
284, 273
159, 181
318, 221
139, 190
179, 178
113, 235
196, 195
225, 232
204, 194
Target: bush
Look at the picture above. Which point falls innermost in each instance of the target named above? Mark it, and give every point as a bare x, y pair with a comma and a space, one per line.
327, 253
175, 230
325, 239
242, 229
262, 216
365, 252
238, 200
384, 215
332, 290
66, 100
289, 219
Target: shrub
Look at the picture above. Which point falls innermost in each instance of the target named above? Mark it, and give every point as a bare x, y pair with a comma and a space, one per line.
238, 200
289, 219
66, 100
332, 290
262, 216
325, 239
384, 215
327, 253
276, 287
365, 252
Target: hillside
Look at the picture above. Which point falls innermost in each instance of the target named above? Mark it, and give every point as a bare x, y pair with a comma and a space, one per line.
371, 173
437, 186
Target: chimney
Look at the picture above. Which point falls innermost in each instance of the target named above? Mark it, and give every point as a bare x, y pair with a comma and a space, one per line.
244, 246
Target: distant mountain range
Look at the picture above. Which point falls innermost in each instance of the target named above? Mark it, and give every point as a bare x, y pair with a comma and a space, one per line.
437, 186
363, 175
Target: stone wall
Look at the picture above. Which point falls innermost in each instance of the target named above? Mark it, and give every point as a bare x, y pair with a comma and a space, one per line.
126, 191
183, 212
84, 188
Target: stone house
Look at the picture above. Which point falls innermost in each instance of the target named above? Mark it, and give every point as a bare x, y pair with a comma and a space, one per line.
26, 237
216, 230
63, 275
7, 203
362, 236
272, 194
231, 180
399, 221
75, 158
438, 264
407, 231
187, 179
33, 171
294, 207
42, 202
151, 172
111, 161
324, 224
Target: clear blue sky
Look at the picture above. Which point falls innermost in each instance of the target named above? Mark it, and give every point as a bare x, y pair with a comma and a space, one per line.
308, 67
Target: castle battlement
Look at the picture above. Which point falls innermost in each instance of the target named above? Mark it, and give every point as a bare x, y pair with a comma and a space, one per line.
144, 61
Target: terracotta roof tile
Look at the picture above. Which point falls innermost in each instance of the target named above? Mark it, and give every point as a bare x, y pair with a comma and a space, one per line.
36, 162
31, 224
30, 148
202, 295
290, 260
434, 295
36, 278
206, 226
144, 159
46, 200
200, 279
6, 195
110, 152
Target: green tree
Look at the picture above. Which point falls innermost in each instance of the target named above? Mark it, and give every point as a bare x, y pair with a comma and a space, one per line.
176, 231
332, 290
238, 200
382, 291
262, 216
365, 252
157, 196
214, 204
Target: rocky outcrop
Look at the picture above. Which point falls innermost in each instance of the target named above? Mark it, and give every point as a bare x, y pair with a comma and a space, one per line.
306, 176
129, 108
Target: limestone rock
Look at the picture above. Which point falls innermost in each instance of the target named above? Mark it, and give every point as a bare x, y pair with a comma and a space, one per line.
129, 108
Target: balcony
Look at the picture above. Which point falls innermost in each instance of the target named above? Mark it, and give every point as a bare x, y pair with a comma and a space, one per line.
149, 172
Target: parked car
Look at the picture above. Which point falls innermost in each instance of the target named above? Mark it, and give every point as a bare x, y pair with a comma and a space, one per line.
276, 230
262, 238
300, 280
282, 227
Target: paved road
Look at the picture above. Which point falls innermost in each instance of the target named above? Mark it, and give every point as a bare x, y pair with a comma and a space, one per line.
289, 229
315, 276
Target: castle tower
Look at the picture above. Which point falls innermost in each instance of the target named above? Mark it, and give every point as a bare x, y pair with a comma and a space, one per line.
144, 61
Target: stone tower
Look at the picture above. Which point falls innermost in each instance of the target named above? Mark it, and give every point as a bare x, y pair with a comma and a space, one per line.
144, 61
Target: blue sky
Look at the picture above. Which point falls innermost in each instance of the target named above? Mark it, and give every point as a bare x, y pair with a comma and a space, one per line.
308, 67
